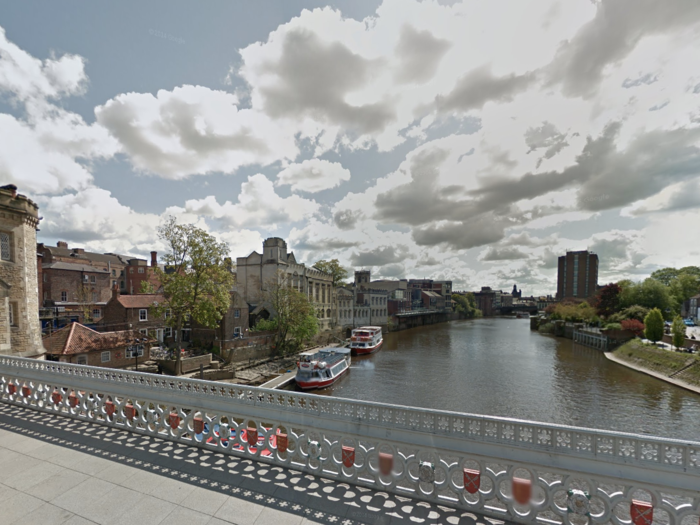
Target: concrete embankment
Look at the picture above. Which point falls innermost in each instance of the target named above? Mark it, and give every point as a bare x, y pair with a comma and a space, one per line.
677, 368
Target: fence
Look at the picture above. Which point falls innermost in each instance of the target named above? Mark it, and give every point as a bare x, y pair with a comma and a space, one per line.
509, 469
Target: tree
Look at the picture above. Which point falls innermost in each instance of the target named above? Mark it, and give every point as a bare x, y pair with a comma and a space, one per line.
334, 269
654, 325
665, 275
466, 305
85, 302
678, 332
683, 288
633, 325
573, 312
650, 293
197, 281
607, 300
294, 315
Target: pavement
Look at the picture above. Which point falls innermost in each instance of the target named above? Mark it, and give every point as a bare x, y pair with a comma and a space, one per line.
56, 470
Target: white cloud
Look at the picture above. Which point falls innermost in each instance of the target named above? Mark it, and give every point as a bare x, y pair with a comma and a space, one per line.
313, 175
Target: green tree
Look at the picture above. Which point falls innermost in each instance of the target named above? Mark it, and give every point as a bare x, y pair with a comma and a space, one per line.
654, 325
466, 305
683, 288
197, 281
293, 313
650, 293
665, 275
678, 332
334, 269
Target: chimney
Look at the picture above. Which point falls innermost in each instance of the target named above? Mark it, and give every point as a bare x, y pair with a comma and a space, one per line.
115, 292
62, 244
154, 259
78, 251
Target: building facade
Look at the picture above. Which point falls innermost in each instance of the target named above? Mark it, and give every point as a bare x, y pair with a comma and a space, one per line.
20, 330
577, 275
257, 273
135, 312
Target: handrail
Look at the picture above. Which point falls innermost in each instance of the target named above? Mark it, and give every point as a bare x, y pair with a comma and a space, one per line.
318, 428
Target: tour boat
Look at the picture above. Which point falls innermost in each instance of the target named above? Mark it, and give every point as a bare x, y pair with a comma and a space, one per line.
322, 368
366, 340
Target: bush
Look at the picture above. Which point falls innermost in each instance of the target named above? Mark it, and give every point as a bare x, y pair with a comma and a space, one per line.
634, 326
613, 326
547, 328
654, 325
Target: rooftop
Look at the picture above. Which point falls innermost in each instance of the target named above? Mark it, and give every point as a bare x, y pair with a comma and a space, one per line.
144, 300
61, 470
78, 339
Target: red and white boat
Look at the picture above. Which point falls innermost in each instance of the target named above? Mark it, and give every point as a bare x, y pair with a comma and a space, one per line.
322, 368
366, 340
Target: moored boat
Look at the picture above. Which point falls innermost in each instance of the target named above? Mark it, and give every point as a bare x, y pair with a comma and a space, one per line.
366, 340
322, 368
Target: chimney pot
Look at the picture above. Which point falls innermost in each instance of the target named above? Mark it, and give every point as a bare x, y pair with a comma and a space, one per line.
154, 259
62, 244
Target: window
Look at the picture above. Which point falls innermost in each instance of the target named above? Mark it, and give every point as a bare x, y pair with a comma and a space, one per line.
143, 331
105, 357
82, 359
237, 313
14, 314
140, 270
94, 297
5, 246
143, 314
131, 270
93, 279
46, 277
96, 313
46, 296
168, 331
237, 330
64, 296
114, 273
168, 313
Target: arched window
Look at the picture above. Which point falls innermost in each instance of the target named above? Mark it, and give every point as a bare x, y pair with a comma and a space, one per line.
328, 312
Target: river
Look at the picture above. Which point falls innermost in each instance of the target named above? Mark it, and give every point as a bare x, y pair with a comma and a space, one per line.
499, 367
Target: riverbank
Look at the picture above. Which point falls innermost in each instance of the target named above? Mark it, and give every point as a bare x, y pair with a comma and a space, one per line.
679, 369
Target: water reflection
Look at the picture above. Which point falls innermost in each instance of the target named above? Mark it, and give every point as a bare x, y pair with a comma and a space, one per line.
499, 367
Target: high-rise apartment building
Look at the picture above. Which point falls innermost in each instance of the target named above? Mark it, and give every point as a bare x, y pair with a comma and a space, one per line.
578, 275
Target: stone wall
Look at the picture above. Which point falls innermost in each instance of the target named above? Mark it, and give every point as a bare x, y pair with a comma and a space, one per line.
189, 364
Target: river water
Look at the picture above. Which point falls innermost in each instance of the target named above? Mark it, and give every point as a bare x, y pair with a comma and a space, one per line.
499, 367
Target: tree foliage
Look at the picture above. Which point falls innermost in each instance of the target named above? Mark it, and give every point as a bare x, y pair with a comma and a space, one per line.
632, 312
607, 300
633, 325
650, 293
466, 305
296, 323
683, 288
572, 312
197, 282
654, 325
678, 332
334, 269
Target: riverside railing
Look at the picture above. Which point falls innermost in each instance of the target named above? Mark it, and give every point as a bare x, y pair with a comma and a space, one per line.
505, 468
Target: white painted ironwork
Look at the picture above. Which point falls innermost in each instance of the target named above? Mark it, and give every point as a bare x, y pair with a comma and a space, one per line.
565, 474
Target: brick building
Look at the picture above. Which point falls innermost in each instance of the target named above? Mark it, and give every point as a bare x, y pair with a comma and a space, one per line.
77, 281
134, 312
81, 345
20, 331
577, 275
137, 272
443, 288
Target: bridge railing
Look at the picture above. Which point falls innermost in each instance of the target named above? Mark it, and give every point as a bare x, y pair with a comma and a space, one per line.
505, 468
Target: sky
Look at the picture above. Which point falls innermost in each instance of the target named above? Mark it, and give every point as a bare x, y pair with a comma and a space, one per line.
473, 141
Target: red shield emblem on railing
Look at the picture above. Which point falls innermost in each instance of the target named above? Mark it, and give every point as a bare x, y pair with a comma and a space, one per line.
522, 490
282, 443
348, 456
11, 389
73, 400
56, 397
198, 425
472, 480
252, 435
130, 412
641, 512
109, 408
174, 420
26, 391
386, 463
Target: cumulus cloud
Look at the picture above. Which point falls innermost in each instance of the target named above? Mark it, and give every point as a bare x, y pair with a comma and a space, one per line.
379, 256
258, 206
419, 54
313, 175
193, 130
503, 253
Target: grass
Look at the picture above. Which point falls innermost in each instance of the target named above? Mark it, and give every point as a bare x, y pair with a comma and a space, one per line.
659, 360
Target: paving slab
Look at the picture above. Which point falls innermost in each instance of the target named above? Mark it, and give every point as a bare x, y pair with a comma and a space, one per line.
46, 514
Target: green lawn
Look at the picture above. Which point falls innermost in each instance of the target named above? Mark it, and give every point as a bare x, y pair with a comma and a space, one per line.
660, 360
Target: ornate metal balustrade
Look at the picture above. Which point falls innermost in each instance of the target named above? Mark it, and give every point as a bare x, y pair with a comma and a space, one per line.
505, 468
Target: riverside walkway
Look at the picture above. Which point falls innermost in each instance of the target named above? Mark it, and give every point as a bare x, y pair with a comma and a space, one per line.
255, 455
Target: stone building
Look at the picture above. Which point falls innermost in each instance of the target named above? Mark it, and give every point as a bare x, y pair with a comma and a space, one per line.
20, 331
363, 304
257, 273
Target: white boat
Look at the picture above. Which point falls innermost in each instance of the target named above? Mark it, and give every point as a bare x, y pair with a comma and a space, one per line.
322, 368
366, 340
